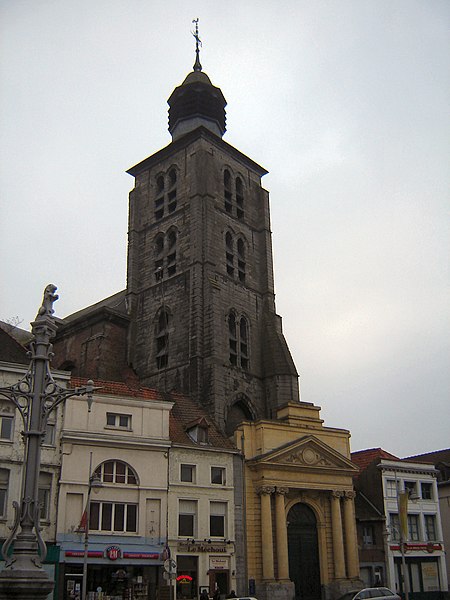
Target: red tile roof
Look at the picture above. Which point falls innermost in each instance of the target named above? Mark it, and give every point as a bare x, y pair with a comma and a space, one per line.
117, 388
363, 458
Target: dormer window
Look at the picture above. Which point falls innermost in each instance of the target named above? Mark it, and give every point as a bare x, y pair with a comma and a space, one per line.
198, 431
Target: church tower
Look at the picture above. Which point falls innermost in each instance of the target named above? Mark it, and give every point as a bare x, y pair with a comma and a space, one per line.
200, 276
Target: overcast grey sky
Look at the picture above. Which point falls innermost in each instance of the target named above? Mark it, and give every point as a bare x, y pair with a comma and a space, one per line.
344, 102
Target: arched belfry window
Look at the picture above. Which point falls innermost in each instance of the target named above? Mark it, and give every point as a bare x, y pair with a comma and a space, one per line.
172, 192
235, 265
229, 250
162, 339
228, 195
233, 192
241, 260
239, 198
238, 340
165, 255
116, 471
232, 339
166, 194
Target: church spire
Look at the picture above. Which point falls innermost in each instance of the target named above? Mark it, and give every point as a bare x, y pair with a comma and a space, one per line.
198, 43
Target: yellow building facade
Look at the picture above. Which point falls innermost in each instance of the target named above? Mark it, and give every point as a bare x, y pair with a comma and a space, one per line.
299, 506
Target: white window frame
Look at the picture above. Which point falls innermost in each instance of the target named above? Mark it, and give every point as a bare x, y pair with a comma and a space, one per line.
117, 418
192, 471
10, 419
218, 509
126, 505
223, 478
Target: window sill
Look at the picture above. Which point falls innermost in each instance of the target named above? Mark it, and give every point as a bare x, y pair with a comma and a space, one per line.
114, 428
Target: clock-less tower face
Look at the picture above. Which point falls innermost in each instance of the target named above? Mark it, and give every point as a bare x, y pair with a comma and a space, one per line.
200, 277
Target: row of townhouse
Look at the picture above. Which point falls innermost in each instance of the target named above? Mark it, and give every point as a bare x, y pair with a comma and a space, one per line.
382, 480
166, 488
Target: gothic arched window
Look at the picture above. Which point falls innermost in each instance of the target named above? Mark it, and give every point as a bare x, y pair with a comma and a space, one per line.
165, 254
238, 340
232, 339
239, 198
229, 254
162, 339
166, 194
228, 195
241, 260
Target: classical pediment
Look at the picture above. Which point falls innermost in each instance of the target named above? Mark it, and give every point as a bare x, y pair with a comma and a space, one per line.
308, 452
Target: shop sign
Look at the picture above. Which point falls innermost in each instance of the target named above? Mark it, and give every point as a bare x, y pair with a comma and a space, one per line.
149, 555
80, 554
184, 579
113, 552
430, 547
201, 547
219, 562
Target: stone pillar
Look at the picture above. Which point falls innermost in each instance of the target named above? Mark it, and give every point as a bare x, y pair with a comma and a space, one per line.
351, 541
266, 532
336, 528
281, 533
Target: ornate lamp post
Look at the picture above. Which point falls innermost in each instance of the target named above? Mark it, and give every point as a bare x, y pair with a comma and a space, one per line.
35, 397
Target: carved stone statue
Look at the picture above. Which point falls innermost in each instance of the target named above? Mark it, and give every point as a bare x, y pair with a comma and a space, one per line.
46, 309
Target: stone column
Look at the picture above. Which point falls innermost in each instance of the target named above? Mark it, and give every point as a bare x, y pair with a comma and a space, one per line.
338, 542
266, 532
281, 533
351, 541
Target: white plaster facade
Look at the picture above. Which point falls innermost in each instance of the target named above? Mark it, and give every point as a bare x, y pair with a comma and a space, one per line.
207, 552
425, 551
126, 439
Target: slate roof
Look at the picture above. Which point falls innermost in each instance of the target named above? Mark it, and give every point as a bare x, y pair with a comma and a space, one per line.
364, 458
11, 350
433, 458
184, 411
114, 303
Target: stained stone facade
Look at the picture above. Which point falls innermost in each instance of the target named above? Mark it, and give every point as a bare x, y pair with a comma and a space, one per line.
199, 308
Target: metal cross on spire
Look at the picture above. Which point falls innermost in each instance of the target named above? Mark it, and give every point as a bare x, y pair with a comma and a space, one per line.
198, 43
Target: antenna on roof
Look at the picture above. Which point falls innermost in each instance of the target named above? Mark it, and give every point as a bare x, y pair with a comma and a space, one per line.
198, 43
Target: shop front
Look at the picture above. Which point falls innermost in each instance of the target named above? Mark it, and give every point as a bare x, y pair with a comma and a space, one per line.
204, 565
115, 571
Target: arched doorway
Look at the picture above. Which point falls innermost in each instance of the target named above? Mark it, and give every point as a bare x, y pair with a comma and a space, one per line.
304, 568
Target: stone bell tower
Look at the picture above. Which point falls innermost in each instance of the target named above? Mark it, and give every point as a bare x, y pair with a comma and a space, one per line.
200, 285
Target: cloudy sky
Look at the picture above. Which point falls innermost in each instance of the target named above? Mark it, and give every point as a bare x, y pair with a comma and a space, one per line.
343, 101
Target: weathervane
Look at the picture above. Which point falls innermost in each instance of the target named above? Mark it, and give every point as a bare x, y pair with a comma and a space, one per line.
198, 43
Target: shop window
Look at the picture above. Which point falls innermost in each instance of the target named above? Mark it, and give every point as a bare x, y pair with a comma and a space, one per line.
426, 490
118, 421
116, 471
430, 528
413, 528
162, 340
218, 475
6, 427
217, 514
4, 482
187, 518
188, 473
113, 517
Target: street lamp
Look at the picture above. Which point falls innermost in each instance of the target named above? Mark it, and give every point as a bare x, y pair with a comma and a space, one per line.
94, 484
35, 397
